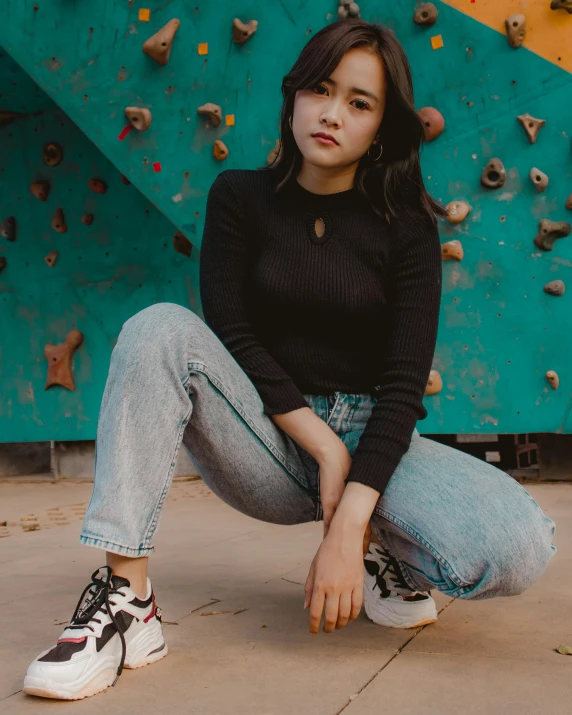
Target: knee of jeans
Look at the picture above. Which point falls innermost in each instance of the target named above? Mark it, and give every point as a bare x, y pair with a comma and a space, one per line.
157, 321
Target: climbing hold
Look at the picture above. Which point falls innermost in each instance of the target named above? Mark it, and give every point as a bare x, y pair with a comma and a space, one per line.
8, 228
3, 263
539, 178
426, 15
159, 45
41, 190
553, 379
124, 179
531, 126
59, 222
59, 359
433, 121
561, 5
53, 153
434, 383
273, 153
457, 211
452, 251
347, 9
549, 231
87, 219
182, 244
138, 117
515, 26
568, 203
220, 151
241, 32
555, 288
212, 111
98, 186
494, 174
51, 258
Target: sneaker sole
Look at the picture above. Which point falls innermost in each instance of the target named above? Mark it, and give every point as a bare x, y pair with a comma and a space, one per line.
384, 615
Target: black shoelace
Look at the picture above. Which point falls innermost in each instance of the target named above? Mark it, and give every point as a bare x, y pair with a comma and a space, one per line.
98, 600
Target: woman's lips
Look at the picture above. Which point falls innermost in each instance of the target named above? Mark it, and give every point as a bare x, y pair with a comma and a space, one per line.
325, 141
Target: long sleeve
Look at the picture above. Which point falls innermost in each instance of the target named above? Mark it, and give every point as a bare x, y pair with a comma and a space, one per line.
223, 277
415, 295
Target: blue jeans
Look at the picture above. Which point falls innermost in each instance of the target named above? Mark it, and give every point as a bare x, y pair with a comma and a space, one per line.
454, 522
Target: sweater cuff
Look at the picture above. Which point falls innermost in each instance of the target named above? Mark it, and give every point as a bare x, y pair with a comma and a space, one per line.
375, 470
282, 398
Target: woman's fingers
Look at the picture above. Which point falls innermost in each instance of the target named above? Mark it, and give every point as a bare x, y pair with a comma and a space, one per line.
357, 602
345, 609
316, 608
309, 587
331, 613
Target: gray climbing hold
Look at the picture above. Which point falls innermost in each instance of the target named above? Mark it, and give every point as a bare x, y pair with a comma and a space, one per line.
561, 5
8, 228
539, 179
531, 126
212, 112
242, 32
494, 174
549, 231
515, 26
555, 288
348, 9
426, 15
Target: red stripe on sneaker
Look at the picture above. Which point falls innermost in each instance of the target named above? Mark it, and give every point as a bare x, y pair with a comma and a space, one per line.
72, 640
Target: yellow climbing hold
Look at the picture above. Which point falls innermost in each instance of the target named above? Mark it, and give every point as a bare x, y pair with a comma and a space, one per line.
229, 120
144, 14
437, 41
203, 48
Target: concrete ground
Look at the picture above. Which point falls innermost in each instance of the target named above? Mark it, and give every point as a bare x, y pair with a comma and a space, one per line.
257, 657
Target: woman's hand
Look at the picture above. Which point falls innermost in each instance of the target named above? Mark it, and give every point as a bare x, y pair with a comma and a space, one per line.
336, 579
334, 467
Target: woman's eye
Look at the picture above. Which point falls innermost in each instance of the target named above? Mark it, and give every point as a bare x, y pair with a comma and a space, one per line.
364, 104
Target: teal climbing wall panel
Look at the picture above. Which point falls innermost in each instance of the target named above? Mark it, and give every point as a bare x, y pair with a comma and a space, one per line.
499, 332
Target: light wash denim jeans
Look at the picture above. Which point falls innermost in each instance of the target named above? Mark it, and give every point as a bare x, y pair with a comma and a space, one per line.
454, 522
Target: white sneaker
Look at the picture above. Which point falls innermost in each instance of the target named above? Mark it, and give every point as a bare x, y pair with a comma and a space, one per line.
110, 630
388, 600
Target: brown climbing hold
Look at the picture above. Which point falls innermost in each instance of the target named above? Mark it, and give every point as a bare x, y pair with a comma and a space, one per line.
3, 263
568, 203
539, 179
457, 211
87, 219
555, 288
452, 251
433, 121
159, 45
41, 190
561, 5
494, 174
124, 179
515, 26
51, 258
8, 228
212, 112
242, 32
347, 9
98, 186
273, 153
60, 361
426, 15
220, 151
53, 153
138, 117
531, 126
549, 231
182, 244
553, 379
59, 222
434, 383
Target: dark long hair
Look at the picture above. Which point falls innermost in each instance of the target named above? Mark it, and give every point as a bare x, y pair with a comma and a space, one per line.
395, 180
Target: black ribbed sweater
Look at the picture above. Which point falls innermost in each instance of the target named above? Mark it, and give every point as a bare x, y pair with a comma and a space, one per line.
353, 311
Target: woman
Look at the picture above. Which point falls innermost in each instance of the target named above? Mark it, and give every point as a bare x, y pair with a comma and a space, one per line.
297, 397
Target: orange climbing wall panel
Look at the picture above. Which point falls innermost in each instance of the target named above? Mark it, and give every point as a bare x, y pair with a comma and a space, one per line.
548, 32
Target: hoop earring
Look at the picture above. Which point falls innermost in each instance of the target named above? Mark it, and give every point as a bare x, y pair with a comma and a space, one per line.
290, 121
377, 158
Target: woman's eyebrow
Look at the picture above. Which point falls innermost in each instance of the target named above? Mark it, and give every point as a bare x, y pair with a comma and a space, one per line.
357, 90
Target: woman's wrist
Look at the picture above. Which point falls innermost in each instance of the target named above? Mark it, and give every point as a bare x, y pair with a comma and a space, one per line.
355, 509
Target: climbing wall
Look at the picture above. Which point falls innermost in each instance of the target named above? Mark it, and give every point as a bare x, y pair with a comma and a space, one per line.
173, 93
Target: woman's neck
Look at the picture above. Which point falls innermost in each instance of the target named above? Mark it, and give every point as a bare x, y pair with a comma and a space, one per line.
320, 181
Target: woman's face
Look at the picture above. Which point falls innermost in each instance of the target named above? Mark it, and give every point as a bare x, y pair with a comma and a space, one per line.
343, 107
